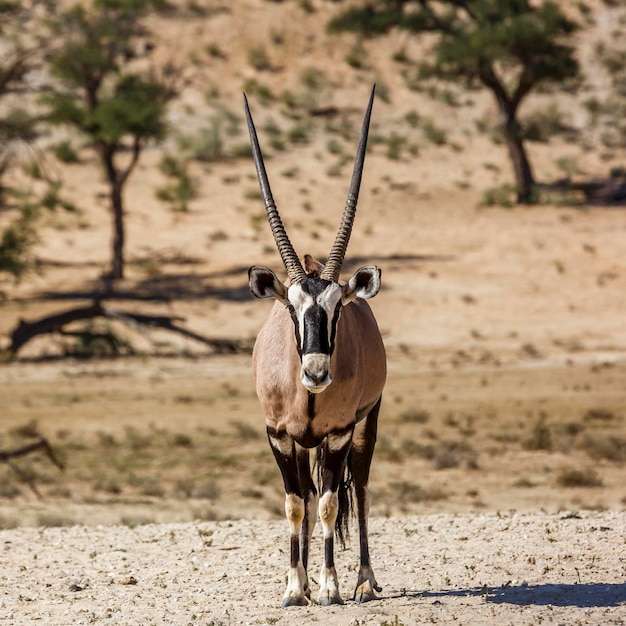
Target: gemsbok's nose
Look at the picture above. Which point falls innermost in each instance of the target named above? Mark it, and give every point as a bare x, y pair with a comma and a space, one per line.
315, 375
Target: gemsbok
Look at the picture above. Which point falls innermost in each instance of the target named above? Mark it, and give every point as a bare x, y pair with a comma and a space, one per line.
319, 368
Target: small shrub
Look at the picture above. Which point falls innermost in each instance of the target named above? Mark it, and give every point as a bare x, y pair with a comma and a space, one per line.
245, 432
182, 440
599, 414
415, 416
503, 196
8, 490
28, 430
433, 133
451, 454
150, 486
395, 145
207, 144
413, 493
213, 50
106, 440
300, 133
573, 477
540, 438
180, 188
108, 484
137, 440
313, 78
334, 147
209, 490
414, 448
542, 125
387, 451
357, 56
609, 447
412, 119
259, 59
65, 153
261, 93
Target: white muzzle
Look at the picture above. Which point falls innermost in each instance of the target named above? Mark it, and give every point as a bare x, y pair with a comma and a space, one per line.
315, 372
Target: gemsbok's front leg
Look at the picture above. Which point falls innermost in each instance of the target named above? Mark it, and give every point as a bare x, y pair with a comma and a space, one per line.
284, 449
335, 453
309, 494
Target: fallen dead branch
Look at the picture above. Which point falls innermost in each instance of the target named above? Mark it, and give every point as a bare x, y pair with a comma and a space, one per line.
56, 323
6, 456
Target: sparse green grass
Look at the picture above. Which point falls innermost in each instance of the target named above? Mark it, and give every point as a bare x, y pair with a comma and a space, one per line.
259, 58
502, 196
412, 493
207, 453
415, 416
64, 152
180, 188
433, 133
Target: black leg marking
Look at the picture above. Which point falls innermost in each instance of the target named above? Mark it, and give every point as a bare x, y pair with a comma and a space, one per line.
309, 493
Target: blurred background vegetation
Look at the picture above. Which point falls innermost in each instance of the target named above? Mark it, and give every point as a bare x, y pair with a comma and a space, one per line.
96, 77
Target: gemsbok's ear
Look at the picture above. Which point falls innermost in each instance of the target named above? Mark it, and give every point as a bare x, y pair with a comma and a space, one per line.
264, 283
365, 283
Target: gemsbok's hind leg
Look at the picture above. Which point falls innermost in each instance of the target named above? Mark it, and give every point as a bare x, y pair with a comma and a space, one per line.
284, 449
363, 444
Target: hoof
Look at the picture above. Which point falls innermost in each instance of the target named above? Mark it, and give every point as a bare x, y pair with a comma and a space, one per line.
326, 598
294, 601
364, 592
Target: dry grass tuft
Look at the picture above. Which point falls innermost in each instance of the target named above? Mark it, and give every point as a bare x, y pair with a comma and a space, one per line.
574, 477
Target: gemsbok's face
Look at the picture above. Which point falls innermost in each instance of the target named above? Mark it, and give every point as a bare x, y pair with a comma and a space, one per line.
315, 306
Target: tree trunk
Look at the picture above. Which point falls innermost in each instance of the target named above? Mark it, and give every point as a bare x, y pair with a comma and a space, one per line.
117, 207
524, 179
116, 184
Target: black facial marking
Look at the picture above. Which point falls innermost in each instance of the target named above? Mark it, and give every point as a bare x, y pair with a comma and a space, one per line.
296, 326
314, 286
334, 327
315, 338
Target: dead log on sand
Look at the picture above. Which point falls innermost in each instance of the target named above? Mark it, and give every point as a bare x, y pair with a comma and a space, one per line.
25, 331
7, 456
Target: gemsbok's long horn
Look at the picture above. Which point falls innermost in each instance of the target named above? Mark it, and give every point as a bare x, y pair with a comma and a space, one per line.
294, 268
332, 268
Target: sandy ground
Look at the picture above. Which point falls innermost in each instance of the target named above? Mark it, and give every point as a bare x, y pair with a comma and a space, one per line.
465, 569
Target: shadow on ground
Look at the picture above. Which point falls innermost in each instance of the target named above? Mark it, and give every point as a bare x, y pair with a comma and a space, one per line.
588, 595
197, 286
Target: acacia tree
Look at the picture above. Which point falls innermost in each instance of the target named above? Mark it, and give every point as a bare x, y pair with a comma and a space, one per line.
508, 46
18, 58
103, 92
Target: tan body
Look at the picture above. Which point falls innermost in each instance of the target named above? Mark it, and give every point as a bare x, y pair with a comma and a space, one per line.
358, 365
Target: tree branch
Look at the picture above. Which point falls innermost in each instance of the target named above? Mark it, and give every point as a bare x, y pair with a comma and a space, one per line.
25, 331
6, 456
136, 151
